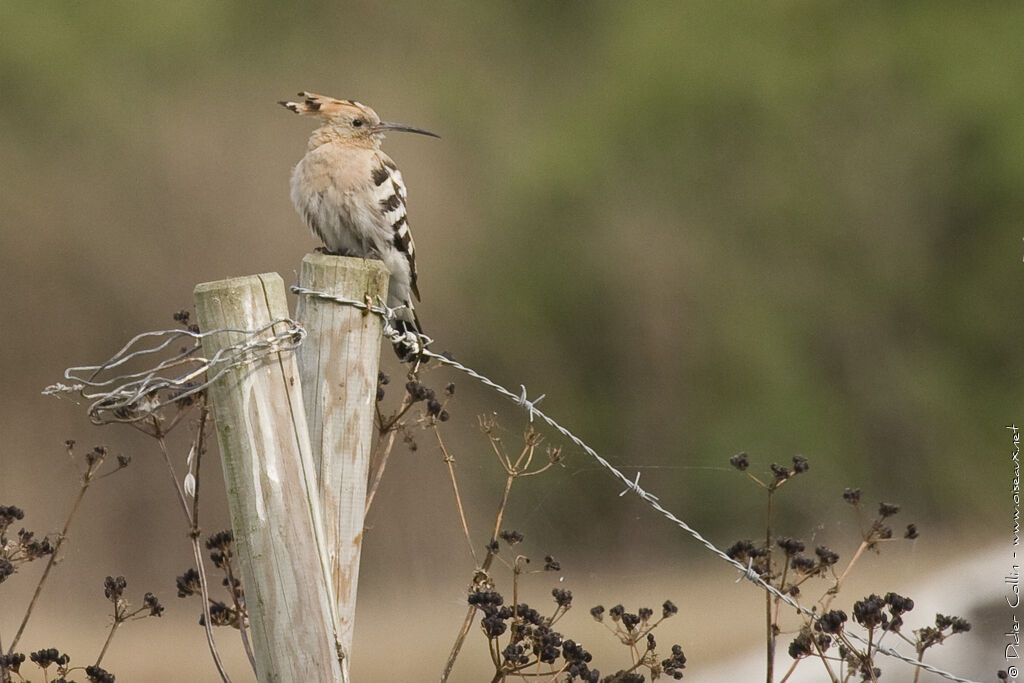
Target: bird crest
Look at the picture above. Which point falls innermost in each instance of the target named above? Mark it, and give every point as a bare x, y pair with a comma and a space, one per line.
329, 107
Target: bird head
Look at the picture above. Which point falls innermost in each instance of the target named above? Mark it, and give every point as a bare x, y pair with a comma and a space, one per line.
348, 118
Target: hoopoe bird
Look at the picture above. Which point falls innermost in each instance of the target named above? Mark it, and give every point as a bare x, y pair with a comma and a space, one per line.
352, 196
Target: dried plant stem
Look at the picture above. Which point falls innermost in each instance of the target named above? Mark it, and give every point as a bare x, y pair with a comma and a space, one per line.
867, 659
497, 520
192, 518
856, 556
917, 669
200, 446
243, 630
782, 586
834, 591
768, 598
789, 673
378, 472
389, 428
86, 481
467, 623
824, 660
161, 439
197, 553
242, 621
110, 637
449, 460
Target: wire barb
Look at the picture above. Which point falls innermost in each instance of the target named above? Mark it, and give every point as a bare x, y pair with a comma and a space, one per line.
529, 405
749, 574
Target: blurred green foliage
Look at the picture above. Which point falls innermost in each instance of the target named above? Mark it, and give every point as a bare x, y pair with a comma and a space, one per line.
699, 227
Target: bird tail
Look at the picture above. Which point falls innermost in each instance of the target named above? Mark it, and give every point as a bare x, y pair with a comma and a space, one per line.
407, 349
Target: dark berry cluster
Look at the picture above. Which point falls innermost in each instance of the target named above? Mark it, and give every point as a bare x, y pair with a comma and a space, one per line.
880, 529
790, 546
866, 671
32, 549
495, 612
805, 643
12, 662
151, 603
674, 665
563, 598
186, 394
870, 612
632, 628
782, 473
945, 626
221, 615
220, 547
511, 537
96, 456
954, 624
515, 654
807, 566
113, 588
8, 515
25, 549
531, 638
48, 657
98, 675
887, 509
420, 392
182, 318
748, 553
740, 461
577, 662
188, 584
831, 621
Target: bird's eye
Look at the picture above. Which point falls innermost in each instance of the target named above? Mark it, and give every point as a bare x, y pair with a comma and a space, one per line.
357, 123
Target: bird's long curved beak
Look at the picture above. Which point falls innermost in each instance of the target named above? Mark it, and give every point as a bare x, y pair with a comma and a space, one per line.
388, 125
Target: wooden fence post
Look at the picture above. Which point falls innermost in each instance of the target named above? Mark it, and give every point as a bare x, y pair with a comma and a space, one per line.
338, 366
269, 473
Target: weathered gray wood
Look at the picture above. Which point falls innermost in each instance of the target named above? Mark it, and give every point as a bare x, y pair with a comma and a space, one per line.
271, 482
338, 367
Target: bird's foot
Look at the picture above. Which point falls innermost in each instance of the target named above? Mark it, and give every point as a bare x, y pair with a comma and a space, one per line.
328, 252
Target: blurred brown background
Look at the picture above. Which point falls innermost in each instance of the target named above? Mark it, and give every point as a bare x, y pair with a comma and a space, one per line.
698, 228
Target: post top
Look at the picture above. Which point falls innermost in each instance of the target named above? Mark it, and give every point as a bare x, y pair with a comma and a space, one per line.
260, 281
347, 262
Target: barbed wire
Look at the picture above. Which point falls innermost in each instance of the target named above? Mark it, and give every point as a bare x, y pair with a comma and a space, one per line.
420, 343
134, 396
179, 372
